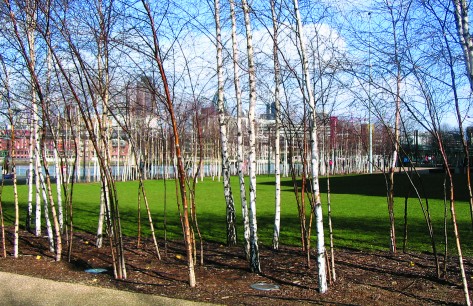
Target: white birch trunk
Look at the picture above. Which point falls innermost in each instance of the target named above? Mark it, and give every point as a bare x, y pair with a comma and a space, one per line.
99, 240
240, 156
17, 208
286, 165
254, 251
322, 275
29, 177
277, 170
32, 50
37, 169
49, 229
59, 189
11, 153
462, 25
230, 206
47, 190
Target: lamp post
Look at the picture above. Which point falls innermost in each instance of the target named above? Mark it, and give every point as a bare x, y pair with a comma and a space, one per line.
370, 130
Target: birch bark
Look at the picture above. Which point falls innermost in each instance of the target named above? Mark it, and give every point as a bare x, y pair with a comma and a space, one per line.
240, 155
317, 207
60, 209
37, 169
230, 205
31, 42
277, 170
462, 24
254, 249
11, 156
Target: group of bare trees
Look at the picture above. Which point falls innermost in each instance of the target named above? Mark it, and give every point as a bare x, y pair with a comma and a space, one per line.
415, 79
67, 69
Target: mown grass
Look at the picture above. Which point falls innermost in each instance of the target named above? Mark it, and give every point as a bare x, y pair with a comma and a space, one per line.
359, 210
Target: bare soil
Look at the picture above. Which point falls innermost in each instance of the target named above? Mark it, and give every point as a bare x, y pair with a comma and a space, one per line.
363, 278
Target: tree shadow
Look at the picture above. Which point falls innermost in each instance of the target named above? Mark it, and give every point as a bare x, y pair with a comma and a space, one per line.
375, 185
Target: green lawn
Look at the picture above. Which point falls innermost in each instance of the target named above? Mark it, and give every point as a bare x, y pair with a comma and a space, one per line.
359, 210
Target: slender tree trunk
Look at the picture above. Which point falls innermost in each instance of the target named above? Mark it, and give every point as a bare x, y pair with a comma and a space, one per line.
466, 148
254, 249
69, 198
2, 221
448, 175
392, 228
305, 231
330, 227
31, 23
150, 220
322, 275
462, 23
29, 175
240, 155
11, 156
49, 228
455, 229
37, 177
138, 244
52, 207
277, 164
142, 192
192, 187
181, 171
15, 187
99, 240
230, 205
445, 228
60, 208
165, 177
404, 244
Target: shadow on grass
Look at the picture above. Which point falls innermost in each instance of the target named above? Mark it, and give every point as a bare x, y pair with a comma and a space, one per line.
358, 231
375, 185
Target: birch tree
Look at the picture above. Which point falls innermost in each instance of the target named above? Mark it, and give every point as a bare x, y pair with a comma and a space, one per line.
230, 205
3, 96
39, 90
180, 165
240, 155
254, 249
90, 114
450, 83
397, 62
31, 16
317, 205
277, 170
461, 14
10, 114
462, 22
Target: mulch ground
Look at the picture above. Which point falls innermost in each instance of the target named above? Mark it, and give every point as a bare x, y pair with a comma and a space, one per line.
362, 278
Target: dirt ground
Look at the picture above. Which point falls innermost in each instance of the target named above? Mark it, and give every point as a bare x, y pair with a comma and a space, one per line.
362, 278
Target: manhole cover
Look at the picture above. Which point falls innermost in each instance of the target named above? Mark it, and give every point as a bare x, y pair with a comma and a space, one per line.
264, 286
96, 270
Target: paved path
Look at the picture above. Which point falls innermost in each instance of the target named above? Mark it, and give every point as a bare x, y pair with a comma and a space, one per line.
25, 290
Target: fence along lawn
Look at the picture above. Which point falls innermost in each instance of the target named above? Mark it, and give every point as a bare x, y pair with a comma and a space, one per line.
359, 211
